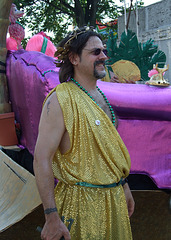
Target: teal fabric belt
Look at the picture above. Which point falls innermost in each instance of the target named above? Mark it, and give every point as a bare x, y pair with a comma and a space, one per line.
85, 184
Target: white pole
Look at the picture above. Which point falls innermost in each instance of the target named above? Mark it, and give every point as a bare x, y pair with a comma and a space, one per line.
137, 19
125, 15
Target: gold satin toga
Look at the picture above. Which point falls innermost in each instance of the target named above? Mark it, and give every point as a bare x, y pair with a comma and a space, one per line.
98, 156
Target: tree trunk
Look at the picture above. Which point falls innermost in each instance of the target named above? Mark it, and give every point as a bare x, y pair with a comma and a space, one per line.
79, 14
5, 6
93, 11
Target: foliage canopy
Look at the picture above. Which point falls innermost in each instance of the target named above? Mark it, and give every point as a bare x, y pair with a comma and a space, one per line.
56, 15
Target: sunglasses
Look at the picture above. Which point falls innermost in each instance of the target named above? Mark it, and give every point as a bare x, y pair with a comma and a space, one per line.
97, 51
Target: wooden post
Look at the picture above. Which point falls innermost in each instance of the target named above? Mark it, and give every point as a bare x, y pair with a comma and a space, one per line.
129, 14
5, 6
137, 22
125, 15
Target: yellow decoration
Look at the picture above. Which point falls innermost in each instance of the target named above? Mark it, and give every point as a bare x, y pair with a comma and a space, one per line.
126, 70
158, 79
107, 77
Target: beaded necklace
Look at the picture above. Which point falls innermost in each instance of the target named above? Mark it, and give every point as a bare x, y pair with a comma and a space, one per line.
105, 98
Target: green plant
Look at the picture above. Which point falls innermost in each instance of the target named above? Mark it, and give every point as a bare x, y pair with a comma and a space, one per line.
143, 55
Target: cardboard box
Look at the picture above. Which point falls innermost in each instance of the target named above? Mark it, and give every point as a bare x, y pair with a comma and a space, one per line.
8, 135
19, 194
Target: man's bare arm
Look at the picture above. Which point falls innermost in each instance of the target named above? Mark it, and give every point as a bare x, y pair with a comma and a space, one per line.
129, 199
51, 130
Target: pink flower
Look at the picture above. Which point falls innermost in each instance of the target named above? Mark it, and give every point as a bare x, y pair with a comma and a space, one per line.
152, 72
44, 35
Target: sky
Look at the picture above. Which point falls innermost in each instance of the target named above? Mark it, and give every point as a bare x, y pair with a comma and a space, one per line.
146, 2
149, 2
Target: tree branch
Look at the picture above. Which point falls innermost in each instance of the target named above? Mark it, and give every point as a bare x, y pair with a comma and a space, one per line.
66, 5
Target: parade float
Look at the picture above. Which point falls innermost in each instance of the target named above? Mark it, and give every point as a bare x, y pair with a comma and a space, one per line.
18, 192
143, 110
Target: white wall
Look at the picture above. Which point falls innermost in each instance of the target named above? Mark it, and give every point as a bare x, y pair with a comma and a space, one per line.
154, 23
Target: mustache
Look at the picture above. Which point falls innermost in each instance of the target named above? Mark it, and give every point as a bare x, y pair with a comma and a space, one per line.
99, 62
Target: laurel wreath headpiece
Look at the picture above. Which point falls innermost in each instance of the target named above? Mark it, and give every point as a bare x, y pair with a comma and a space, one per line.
62, 52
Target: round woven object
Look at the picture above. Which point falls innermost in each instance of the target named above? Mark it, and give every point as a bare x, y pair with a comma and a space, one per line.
126, 71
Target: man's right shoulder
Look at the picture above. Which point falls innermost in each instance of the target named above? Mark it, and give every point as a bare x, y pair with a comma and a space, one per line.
51, 100
61, 87
61, 94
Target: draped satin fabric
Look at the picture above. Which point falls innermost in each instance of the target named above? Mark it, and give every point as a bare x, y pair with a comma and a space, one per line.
144, 112
145, 127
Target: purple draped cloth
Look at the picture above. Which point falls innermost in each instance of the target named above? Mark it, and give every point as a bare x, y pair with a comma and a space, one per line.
144, 112
31, 76
145, 127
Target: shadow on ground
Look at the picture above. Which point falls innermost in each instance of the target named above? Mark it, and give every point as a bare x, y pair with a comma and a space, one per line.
150, 221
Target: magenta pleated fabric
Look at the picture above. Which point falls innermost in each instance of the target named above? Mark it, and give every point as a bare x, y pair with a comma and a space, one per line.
144, 112
145, 127
29, 83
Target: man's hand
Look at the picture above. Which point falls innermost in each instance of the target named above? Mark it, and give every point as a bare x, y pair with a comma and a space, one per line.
129, 199
115, 79
54, 228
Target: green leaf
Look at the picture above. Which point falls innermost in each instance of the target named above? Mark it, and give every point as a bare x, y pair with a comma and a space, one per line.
143, 55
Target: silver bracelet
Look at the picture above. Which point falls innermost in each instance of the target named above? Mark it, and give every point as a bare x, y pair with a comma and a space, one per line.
50, 210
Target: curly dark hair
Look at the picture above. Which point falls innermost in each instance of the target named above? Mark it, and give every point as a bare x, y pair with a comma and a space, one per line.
76, 45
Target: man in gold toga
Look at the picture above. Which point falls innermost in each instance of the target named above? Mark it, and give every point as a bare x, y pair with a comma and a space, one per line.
79, 145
